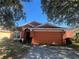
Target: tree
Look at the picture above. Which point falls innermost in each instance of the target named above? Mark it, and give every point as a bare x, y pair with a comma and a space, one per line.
61, 11
10, 12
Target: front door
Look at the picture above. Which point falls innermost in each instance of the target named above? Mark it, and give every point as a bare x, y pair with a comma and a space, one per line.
27, 38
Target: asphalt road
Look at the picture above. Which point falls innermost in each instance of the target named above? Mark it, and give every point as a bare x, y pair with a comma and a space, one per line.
51, 52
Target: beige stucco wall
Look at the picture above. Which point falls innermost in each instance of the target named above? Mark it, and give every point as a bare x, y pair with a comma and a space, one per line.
4, 34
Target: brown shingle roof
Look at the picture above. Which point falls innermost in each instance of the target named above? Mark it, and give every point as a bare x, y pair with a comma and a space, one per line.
27, 25
34, 23
47, 25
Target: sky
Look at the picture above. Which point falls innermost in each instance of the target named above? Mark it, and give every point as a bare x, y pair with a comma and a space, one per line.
33, 13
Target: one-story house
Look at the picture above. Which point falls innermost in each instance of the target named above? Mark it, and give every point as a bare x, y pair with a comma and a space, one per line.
47, 33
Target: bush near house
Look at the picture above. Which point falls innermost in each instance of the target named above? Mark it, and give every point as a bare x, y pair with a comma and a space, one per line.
76, 38
75, 41
11, 49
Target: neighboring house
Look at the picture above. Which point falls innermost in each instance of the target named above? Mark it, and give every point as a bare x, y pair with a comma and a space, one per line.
47, 33
4, 33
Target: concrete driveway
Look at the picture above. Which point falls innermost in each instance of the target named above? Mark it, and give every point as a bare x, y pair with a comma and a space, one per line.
51, 52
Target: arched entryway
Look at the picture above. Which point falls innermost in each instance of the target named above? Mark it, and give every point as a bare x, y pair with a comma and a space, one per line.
27, 38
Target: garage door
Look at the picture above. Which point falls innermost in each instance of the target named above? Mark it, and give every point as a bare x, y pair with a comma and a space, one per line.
47, 37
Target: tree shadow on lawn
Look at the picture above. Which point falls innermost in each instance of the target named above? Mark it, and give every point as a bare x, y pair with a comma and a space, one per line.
11, 49
15, 50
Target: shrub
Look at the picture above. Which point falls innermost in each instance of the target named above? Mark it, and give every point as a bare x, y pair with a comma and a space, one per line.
76, 37
68, 42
